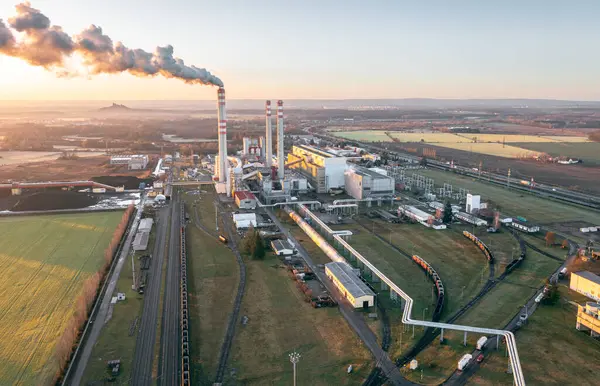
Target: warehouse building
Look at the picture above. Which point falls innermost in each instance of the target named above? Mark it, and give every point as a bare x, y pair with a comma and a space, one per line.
524, 227
364, 183
420, 216
323, 170
245, 199
282, 248
470, 219
350, 285
133, 162
586, 283
140, 242
245, 220
145, 225
588, 317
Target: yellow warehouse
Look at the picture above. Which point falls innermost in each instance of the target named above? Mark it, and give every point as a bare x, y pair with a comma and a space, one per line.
586, 283
350, 285
588, 318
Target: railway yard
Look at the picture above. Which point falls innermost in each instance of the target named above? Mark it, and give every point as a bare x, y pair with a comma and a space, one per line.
202, 311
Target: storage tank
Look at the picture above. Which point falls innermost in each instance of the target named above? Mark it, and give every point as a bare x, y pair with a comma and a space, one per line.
464, 361
481, 342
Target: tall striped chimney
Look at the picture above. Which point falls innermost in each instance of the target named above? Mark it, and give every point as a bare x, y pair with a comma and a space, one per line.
268, 135
280, 160
221, 166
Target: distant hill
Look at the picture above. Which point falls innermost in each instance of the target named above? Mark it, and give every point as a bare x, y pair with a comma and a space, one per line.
115, 108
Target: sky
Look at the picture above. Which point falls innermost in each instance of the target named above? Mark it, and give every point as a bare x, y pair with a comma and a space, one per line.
326, 49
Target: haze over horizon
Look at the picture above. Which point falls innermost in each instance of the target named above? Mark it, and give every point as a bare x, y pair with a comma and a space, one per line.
312, 50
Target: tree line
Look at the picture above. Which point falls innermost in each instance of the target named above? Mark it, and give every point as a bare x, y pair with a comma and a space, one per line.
83, 304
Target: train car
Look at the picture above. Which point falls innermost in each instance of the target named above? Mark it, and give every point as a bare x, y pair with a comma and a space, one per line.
223, 239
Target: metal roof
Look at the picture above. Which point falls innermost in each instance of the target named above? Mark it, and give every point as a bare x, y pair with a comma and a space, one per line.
589, 275
244, 195
351, 282
280, 245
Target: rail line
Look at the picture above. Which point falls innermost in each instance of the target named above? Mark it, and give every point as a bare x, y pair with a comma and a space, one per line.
185, 346
519, 379
234, 316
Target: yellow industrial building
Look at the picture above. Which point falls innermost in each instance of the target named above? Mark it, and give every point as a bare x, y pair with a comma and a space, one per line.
588, 317
586, 283
350, 285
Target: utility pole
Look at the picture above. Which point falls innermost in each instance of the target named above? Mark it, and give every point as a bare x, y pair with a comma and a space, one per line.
294, 358
508, 179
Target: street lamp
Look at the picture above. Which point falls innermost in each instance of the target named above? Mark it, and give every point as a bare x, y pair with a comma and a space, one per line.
294, 358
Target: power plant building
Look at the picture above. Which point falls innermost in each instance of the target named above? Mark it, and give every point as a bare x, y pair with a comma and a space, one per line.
364, 183
473, 203
350, 285
323, 170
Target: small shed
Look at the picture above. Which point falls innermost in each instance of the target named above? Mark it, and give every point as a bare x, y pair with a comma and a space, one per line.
245, 199
282, 248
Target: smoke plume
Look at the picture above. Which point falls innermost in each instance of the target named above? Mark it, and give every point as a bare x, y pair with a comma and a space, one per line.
48, 46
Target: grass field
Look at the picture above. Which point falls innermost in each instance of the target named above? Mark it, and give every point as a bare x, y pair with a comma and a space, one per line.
449, 138
495, 149
490, 144
213, 275
552, 351
118, 337
589, 152
44, 261
279, 322
495, 310
514, 203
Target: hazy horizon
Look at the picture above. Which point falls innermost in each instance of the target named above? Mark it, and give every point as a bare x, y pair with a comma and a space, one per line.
323, 50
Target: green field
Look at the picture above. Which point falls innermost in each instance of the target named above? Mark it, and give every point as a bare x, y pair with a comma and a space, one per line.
495, 310
513, 203
589, 152
279, 322
552, 351
44, 261
213, 276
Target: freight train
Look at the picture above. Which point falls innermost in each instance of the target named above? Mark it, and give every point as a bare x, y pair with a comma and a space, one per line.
436, 280
481, 245
185, 345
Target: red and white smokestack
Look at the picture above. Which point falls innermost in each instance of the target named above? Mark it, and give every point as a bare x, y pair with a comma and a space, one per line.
268, 135
280, 160
221, 167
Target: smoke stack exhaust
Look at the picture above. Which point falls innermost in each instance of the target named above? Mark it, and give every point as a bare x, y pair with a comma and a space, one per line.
268, 136
280, 170
221, 166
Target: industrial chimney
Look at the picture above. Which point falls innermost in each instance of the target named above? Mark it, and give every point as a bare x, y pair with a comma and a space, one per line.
221, 164
280, 160
269, 136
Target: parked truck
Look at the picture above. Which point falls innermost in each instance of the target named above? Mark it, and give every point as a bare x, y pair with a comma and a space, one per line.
481, 342
464, 361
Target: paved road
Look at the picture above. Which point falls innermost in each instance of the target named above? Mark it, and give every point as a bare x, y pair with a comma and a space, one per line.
100, 316
355, 321
146, 338
169, 368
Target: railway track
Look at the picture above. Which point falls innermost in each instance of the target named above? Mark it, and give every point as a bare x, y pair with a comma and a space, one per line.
169, 359
234, 316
